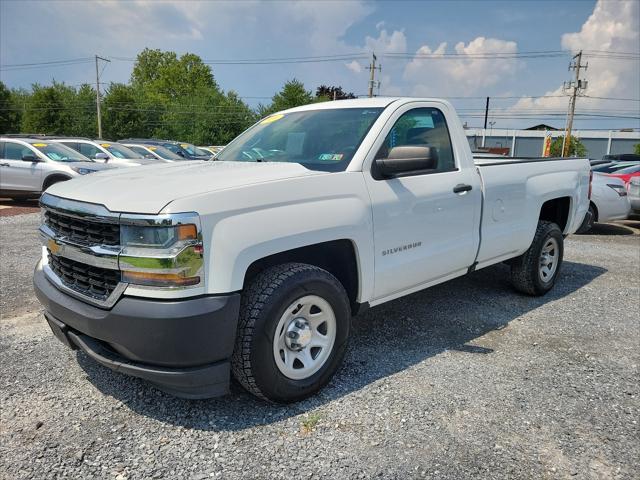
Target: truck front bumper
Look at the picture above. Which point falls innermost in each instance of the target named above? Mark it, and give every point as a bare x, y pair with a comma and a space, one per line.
181, 346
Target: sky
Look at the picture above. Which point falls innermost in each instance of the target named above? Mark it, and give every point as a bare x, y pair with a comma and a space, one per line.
413, 41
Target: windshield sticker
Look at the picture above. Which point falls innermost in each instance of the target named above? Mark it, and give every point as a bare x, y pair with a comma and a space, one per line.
39, 144
271, 119
105, 145
152, 148
331, 157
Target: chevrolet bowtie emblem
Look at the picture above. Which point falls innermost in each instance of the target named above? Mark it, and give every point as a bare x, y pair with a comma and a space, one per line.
53, 246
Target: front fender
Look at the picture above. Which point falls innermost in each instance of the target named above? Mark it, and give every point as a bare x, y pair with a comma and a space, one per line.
275, 217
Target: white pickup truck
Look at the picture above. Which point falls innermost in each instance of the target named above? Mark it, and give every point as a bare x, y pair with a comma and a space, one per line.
255, 263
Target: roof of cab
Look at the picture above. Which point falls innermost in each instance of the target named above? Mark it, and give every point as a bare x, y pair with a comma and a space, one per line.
374, 102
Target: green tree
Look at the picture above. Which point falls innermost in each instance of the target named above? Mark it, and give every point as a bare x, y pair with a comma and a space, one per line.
324, 93
165, 76
123, 114
10, 112
293, 94
83, 121
636, 149
576, 147
49, 110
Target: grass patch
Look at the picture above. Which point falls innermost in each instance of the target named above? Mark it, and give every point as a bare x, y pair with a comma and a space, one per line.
310, 422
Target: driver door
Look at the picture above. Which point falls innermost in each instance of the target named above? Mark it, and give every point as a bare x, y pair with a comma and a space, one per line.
18, 174
425, 222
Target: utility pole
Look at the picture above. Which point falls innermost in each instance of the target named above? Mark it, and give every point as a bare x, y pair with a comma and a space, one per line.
486, 113
372, 78
98, 95
576, 87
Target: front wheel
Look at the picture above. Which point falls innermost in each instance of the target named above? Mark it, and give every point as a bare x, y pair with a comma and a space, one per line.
292, 333
536, 270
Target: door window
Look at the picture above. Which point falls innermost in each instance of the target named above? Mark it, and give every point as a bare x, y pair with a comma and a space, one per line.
425, 127
15, 151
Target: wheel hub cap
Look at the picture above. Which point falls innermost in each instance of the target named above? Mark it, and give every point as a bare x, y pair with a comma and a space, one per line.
548, 260
304, 337
298, 334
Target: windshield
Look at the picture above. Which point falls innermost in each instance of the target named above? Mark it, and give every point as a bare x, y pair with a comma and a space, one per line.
317, 139
164, 152
60, 153
203, 152
191, 149
120, 151
140, 150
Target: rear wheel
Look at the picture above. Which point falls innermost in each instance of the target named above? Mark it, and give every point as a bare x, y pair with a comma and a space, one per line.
292, 333
535, 271
589, 220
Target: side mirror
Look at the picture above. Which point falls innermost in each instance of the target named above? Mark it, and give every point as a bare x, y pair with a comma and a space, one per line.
181, 153
407, 158
102, 156
30, 158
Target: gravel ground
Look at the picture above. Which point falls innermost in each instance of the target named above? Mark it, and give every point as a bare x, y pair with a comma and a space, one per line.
464, 380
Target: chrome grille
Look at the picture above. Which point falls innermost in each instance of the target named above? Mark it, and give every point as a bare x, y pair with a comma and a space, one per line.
94, 282
82, 231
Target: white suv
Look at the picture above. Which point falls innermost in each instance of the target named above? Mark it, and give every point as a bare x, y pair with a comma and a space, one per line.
29, 166
106, 152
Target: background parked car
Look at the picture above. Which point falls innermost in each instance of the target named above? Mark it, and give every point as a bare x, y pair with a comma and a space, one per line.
611, 167
103, 151
213, 149
626, 174
185, 150
622, 157
609, 202
28, 166
634, 195
154, 151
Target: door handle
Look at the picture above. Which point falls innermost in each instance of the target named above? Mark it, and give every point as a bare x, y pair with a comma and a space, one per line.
462, 187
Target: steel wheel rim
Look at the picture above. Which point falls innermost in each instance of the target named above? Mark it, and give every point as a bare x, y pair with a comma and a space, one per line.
313, 320
549, 260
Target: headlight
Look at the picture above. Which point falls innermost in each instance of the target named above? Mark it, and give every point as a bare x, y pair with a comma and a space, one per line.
81, 170
161, 256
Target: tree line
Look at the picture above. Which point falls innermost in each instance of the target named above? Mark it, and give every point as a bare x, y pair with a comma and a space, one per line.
168, 96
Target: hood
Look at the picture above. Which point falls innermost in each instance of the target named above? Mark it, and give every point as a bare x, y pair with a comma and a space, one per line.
149, 189
97, 166
133, 162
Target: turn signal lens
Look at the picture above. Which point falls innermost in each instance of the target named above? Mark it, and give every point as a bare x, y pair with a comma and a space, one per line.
187, 232
159, 279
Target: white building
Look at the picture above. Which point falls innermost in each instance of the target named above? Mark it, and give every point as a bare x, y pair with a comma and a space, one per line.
528, 143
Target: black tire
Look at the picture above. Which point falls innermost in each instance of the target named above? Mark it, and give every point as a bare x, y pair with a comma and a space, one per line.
589, 220
525, 269
53, 180
263, 303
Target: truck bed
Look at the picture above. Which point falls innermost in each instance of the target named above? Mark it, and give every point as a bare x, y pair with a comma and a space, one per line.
514, 188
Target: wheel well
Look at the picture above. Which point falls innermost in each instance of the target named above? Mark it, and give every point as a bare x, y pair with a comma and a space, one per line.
556, 211
55, 178
338, 257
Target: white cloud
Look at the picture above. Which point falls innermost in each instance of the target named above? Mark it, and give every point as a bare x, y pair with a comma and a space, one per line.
612, 27
354, 66
396, 42
462, 74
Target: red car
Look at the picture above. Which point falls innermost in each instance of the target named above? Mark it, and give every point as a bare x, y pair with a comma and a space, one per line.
626, 174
